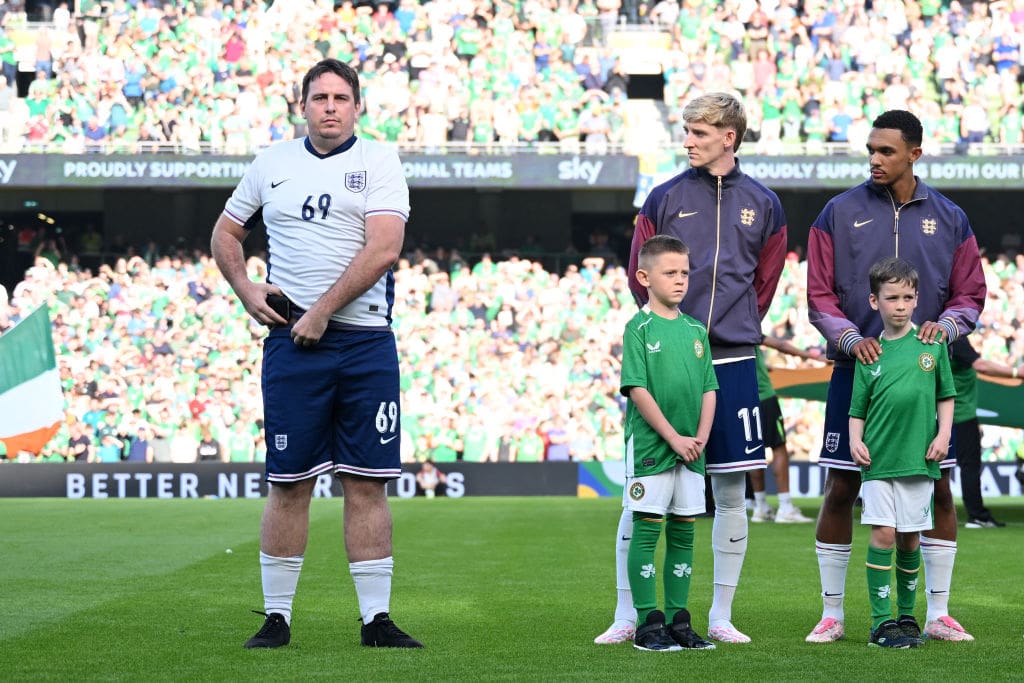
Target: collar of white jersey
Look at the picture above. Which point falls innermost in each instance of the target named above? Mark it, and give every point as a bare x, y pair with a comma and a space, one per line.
340, 149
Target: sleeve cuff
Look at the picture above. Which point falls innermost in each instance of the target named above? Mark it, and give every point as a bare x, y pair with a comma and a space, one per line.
952, 331
849, 339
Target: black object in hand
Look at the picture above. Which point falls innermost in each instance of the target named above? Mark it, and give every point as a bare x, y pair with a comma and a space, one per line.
281, 304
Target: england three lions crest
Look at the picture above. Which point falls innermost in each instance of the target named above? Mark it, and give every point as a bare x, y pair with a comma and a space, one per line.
747, 216
832, 442
355, 182
928, 225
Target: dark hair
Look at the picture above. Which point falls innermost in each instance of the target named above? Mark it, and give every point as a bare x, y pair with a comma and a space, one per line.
331, 66
906, 123
658, 245
892, 270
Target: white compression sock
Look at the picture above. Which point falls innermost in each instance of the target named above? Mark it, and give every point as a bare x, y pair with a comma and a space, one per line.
280, 577
624, 610
938, 556
833, 560
760, 500
373, 586
785, 502
728, 541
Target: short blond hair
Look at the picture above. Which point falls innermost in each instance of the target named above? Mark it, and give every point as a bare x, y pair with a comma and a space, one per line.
718, 109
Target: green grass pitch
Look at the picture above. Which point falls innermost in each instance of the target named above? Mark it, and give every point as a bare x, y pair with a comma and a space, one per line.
497, 589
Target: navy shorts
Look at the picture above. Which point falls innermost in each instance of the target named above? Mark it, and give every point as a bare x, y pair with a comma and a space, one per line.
333, 407
835, 448
735, 444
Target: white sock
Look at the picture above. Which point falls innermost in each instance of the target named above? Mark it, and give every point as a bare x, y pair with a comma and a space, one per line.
624, 610
833, 560
785, 502
937, 555
721, 606
728, 541
760, 500
280, 577
373, 586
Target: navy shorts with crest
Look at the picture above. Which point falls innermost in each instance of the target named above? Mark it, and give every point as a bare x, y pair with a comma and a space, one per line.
333, 407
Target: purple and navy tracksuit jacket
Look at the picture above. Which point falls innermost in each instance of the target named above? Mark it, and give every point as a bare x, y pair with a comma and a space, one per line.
864, 225
735, 228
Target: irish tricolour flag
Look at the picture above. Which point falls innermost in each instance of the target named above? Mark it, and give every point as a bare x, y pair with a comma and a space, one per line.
31, 402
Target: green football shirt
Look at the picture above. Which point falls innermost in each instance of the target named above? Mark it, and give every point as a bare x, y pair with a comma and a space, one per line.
896, 398
672, 360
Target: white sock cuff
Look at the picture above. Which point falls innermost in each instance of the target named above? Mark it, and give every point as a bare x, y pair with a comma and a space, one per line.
729, 490
294, 562
937, 545
384, 566
833, 549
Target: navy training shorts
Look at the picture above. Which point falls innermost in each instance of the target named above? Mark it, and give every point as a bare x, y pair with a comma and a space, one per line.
735, 444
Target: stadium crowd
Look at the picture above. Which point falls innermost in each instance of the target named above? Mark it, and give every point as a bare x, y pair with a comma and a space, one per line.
223, 75
501, 359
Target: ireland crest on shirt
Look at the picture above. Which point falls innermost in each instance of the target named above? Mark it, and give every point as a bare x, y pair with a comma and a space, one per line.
926, 361
356, 181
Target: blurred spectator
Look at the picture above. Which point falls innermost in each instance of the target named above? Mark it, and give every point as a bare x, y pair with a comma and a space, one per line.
140, 447
431, 481
209, 448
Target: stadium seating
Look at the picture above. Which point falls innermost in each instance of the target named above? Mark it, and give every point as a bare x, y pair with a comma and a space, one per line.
223, 77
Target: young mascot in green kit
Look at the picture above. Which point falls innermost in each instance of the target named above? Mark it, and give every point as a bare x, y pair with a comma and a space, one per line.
901, 418
669, 380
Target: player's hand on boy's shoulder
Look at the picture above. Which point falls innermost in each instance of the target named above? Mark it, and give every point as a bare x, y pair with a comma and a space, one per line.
930, 332
867, 350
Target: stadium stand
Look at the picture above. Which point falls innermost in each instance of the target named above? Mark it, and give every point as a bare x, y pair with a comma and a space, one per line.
190, 77
502, 347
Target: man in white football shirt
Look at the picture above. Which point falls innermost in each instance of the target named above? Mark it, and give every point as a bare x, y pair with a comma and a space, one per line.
335, 208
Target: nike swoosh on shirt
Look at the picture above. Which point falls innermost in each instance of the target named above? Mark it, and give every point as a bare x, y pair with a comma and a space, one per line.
279, 182
858, 224
384, 441
685, 214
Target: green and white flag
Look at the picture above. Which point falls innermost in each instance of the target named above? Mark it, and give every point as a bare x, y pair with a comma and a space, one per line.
31, 401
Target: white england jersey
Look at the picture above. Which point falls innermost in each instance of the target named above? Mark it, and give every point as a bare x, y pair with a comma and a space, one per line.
315, 207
